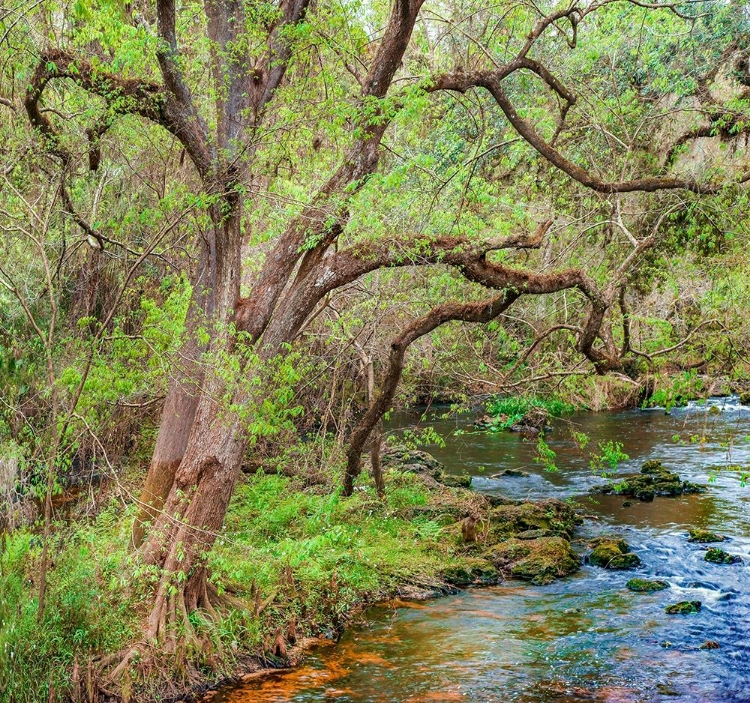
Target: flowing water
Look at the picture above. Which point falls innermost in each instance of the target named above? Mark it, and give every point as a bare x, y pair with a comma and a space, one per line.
585, 638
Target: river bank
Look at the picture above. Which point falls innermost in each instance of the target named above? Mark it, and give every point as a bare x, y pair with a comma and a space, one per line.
295, 562
586, 637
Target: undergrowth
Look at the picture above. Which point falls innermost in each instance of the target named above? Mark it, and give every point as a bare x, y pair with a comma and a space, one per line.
298, 561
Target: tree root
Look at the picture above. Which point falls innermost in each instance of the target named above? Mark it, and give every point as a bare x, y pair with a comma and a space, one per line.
171, 641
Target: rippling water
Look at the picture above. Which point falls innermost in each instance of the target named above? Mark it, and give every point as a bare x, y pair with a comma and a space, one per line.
586, 638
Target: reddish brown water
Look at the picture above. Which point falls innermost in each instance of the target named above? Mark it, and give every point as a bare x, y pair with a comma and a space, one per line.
586, 638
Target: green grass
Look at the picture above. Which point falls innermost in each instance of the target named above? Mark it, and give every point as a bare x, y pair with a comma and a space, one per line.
507, 411
314, 557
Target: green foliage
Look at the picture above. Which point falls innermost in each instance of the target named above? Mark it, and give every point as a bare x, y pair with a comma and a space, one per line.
507, 411
677, 391
545, 456
609, 457
311, 557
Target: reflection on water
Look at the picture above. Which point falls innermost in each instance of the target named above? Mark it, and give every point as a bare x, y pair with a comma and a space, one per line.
586, 638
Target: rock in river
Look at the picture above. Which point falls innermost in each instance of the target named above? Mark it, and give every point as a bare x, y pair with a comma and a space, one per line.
612, 553
704, 536
646, 586
540, 561
654, 480
719, 556
686, 607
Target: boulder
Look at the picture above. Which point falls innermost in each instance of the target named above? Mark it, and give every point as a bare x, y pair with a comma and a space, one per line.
540, 561
704, 536
515, 473
470, 570
612, 553
419, 462
719, 556
686, 607
653, 480
552, 515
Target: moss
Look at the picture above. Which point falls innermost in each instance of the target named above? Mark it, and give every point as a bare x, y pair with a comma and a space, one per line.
540, 561
553, 516
470, 570
652, 466
612, 553
704, 536
719, 556
686, 607
646, 586
653, 480
624, 561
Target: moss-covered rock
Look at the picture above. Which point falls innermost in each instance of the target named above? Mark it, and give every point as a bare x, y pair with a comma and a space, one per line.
719, 556
553, 516
653, 480
535, 534
652, 466
704, 536
513, 473
454, 481
470, 570
612, 553
686, 607
419, 462
646, 585
540, 561
745, 398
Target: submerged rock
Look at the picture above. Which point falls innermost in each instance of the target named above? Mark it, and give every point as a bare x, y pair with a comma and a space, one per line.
653, 480
686, 607
612, 553
710, 644
646, 586
540, 561
718, 556
515, 473
704, 536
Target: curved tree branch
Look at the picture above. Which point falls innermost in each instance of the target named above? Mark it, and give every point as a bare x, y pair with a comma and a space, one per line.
480, 312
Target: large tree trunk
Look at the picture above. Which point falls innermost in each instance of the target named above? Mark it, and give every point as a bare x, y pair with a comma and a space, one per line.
180, 406
199, 451
192, 516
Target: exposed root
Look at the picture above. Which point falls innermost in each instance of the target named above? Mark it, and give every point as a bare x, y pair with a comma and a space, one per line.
171, 641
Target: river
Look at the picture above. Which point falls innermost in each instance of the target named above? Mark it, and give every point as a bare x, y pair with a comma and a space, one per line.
585, 638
